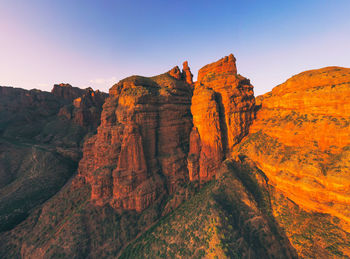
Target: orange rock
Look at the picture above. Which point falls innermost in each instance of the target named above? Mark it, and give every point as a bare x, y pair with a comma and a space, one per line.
223, 109
208, 155
301, 141
142, 142
186, 73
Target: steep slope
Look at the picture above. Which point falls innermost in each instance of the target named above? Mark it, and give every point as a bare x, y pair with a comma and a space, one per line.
134, 170
139, 152
39, 149
222, 108
228, 218
301, 140
180, 169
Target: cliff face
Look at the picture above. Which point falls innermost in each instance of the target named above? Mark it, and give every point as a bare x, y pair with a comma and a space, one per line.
85, 107
223, 109
300, 139
39, 149
140, 149
148, 144
281, 188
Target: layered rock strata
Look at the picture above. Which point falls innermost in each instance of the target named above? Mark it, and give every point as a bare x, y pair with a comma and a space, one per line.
301, 140
85, 110
223, 109
141, 146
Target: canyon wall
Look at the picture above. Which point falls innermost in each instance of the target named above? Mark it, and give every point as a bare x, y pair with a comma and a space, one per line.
155, 135
301, 140
223, 109
139, 152
40, 145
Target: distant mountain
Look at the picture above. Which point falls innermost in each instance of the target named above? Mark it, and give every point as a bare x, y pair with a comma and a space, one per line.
171, 168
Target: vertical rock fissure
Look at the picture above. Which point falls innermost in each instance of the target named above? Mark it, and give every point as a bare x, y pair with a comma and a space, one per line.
222, 121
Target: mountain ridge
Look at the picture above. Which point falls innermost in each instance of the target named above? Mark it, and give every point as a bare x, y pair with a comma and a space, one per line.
210, 167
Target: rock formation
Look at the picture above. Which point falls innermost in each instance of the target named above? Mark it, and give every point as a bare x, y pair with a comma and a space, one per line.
281, 181
66, 91
300, 139
223, 109
84, 110
140, 150
40, 146
147, 133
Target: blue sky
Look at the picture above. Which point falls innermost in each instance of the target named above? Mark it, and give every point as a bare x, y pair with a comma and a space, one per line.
97, 43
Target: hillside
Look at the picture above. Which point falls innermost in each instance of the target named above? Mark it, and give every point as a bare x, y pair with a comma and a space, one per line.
40, 145
164, 167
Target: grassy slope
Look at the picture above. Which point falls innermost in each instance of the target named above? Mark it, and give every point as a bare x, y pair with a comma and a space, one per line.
228, 218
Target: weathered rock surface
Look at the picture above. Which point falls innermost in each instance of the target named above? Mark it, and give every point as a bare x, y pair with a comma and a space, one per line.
84, 110
39, 151
223, 109
66, 91
301, 140
134, 195
140, 149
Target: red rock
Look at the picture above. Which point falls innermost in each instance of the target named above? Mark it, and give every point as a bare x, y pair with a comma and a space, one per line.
223, 109
145, 133
186, 73
176, 73
142, 142
300, 139
86, 108
66, 91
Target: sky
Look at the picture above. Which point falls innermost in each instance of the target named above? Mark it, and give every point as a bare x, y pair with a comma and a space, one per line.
96, 43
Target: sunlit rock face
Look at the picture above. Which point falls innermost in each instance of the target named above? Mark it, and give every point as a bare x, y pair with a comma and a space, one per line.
301, 140
140, 150
223, 109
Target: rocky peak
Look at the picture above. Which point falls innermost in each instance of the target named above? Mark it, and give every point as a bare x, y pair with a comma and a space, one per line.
140, 149
144, 147
222, 108
186, 73
176, 73
225, 67
66, 91
84, 107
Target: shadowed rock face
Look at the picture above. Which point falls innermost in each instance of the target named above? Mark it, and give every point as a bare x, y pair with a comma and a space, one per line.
140, 150
85, 104
300, 139
223, 109
144, 147
158, 137
39, 147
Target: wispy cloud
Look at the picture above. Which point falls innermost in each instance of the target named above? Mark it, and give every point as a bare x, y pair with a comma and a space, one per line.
104, 81
43, 85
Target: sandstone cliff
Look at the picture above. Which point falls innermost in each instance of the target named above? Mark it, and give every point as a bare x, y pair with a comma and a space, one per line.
39, 148
301, 140
285, 191
85, 107
139, 152
223, 109
148, 143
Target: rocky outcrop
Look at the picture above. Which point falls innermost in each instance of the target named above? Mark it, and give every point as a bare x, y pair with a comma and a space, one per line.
300, 139
84, 110
141, 146
223, 109
40, 151
66, 91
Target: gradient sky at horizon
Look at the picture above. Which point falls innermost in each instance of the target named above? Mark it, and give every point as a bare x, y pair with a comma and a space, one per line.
97, 43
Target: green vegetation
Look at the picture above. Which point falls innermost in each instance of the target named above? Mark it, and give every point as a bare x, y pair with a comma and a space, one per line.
216, 221
314, 235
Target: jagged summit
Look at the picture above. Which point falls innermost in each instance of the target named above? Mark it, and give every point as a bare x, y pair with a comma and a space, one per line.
178, 168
